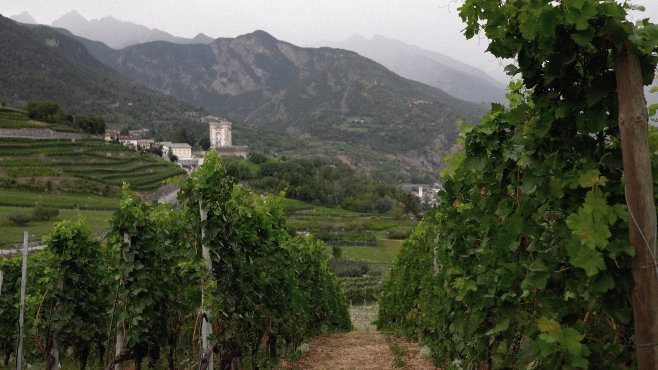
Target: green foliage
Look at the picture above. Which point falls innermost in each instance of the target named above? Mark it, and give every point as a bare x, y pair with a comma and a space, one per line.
50, 112
321, 183
153, 274
19, 219
75, 293
79, 166
43, 213
526, 261
11, 267
336, 252
46, 111
90, 124
348, 268
263, 284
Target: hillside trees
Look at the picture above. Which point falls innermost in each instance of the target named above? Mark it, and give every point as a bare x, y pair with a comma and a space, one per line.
527, 262
51, 112
317, 182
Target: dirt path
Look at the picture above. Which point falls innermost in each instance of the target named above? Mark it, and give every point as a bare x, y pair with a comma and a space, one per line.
371, 350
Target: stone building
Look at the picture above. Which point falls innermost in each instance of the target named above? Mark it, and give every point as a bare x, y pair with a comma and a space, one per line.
220, 134
221, 140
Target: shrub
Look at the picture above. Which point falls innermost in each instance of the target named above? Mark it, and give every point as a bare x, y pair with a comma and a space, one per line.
42, 213
348, 268
336, 251
19, 219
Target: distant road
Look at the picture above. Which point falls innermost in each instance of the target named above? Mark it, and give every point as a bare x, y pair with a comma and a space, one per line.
43, 133
18, 251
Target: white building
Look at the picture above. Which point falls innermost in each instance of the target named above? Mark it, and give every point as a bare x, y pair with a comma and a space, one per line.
181, 150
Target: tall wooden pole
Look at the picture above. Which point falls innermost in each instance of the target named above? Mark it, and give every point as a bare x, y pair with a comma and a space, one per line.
206, 326
119, 343
2, 275
21, 315
633, 126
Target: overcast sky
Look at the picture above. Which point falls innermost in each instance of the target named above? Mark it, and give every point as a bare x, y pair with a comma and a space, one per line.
431, 24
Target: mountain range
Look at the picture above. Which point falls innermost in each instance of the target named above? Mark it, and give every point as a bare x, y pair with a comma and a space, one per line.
289, 100
113, 32
24, 17
41, 63
119, 34
432, 68
324, 93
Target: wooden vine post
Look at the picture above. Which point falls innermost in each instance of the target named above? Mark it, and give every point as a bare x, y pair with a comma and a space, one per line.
21, 315
633, 125
120, 340
206, 326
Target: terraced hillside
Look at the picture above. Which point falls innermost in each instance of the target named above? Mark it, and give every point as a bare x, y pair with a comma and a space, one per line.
15, 118
89, 166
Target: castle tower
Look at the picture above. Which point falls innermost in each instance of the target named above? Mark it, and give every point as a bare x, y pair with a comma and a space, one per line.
220, 134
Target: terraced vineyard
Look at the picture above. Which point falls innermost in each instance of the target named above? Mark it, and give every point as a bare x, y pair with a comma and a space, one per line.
91, 166
15, 118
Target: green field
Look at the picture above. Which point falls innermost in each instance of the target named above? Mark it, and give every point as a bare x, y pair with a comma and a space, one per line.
98, 221
384, 252
80, 166
26, 198
339, 224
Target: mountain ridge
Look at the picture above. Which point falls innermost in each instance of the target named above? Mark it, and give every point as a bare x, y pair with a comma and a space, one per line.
314, 94
457, 78
42, 63
24, 17
262, 81
119, 34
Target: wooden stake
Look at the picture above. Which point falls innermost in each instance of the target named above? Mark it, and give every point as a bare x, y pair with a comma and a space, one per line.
633, 126
206, 326
21, 315
119, 344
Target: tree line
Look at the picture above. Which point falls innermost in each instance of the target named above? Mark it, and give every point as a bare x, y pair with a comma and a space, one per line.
321, 183
51, 112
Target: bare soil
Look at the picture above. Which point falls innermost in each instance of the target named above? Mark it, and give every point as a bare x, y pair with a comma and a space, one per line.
369, 350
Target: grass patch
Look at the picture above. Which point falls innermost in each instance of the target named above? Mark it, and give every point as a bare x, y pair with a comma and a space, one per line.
399, 353
22, 198
97, 220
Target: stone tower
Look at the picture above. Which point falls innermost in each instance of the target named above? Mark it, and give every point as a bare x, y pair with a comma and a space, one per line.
220, 134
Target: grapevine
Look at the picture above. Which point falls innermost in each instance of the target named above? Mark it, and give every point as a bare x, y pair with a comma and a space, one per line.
526, 261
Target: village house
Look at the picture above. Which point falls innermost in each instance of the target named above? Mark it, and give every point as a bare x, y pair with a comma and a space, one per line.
129, 141
181, 150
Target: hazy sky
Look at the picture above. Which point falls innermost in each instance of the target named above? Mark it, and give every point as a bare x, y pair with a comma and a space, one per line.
430, 24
